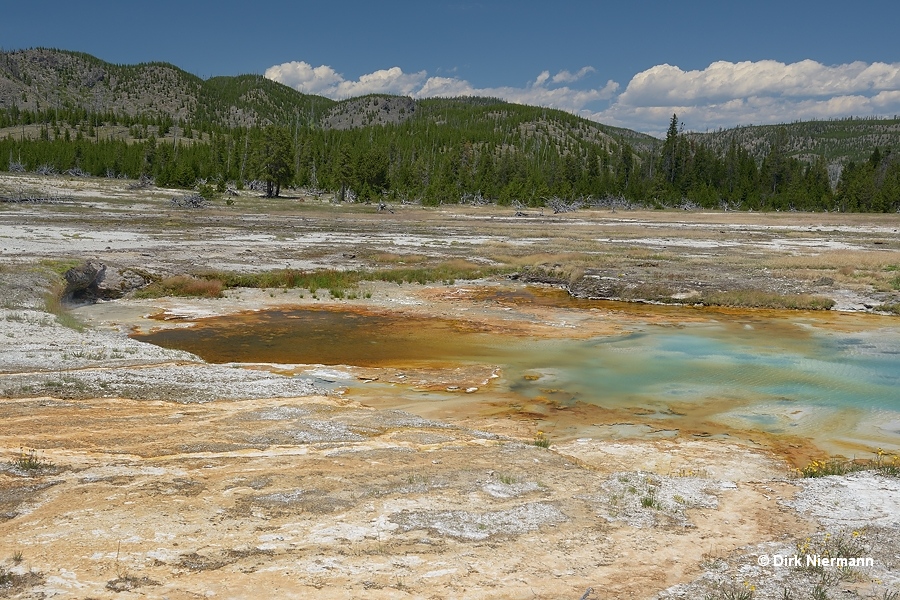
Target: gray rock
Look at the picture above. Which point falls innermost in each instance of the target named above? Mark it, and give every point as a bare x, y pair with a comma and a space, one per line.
94, 280
114, 283
80, 280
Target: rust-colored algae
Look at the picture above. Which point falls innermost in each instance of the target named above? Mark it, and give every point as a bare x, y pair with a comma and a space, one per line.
325, 336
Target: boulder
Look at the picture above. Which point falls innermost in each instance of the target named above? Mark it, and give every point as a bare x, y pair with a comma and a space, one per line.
115, 283
96, 281
80, 280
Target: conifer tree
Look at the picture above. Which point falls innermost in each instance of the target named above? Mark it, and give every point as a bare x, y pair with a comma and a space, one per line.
274, 159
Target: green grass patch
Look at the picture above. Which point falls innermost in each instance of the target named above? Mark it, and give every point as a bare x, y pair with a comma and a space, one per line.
60, 266
447, 272
288, 278
53, 270
340, 283
759, 299
53, 304
183, 286
889, 308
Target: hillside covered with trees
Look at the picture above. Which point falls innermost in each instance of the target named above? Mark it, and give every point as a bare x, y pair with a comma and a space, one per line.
70, 112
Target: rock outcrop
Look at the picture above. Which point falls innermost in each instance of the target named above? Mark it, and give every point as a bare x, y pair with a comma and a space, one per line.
96, 281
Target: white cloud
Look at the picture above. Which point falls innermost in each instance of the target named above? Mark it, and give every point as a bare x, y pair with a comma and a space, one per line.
724, 94
304, 77
536, 93
725, 80
325, 81
754, 110
567, 77
385, 81
543, 91
445, 87
563, 98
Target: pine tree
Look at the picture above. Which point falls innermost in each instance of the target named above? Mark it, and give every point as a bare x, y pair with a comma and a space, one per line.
274, 159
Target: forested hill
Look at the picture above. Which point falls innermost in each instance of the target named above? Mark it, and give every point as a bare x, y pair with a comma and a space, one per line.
68, 111
838, 141
42, 79
56, 80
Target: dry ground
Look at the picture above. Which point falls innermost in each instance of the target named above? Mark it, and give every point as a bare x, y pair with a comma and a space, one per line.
851, 259
157, 475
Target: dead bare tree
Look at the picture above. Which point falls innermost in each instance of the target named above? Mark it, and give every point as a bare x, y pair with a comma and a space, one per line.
520, 208
475, 199
46, 169
189, 201
611, 202
687, 204
558, 205
143, 182
21, 195
256, 185
313, 191
346, 194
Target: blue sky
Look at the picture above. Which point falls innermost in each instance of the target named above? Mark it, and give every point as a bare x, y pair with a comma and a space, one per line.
630, 64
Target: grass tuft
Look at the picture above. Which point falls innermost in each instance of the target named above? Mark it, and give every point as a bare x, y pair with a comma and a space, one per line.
541, 440
649, 500
889, 308
29, 461
733, 592
883, 463
183, 286
53, 304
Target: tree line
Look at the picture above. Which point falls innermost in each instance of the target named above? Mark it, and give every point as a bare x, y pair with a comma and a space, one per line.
453, 150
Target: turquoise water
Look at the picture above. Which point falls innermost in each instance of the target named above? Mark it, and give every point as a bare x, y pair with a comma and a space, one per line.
841, 390
834, 381
698, 362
